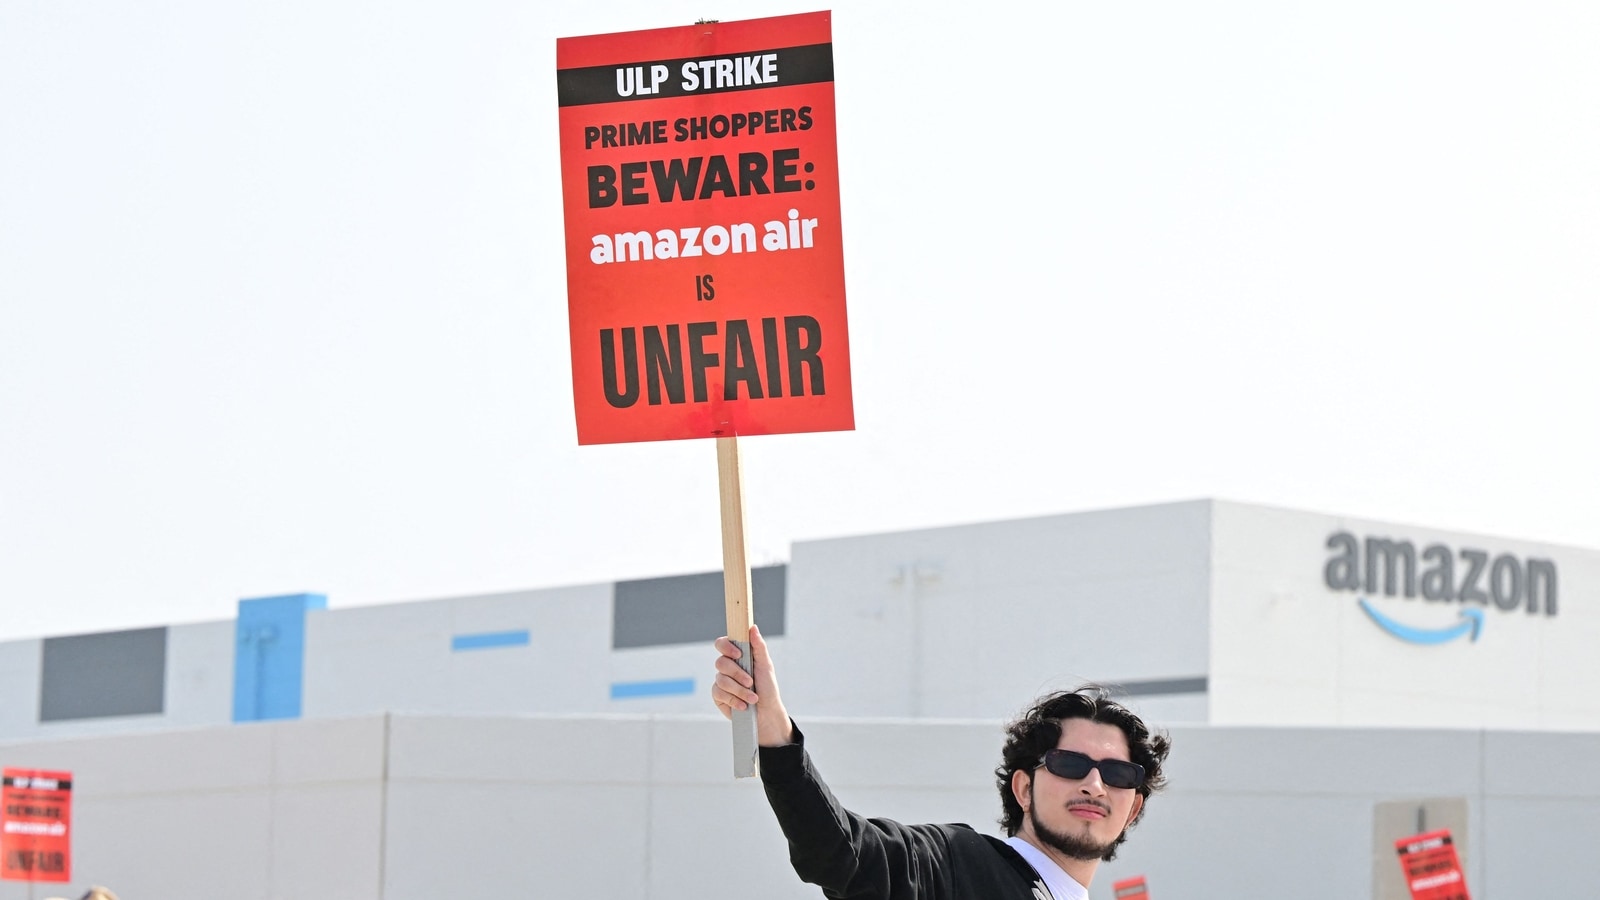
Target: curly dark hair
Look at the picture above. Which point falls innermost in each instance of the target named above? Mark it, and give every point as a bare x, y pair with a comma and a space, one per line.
1039, 729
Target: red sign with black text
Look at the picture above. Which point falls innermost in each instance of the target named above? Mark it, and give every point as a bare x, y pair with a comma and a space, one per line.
35, 825
1431, 867
705, 264
1130, 889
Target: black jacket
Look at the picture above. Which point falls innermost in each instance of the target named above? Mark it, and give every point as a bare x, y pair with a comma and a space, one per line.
858, 858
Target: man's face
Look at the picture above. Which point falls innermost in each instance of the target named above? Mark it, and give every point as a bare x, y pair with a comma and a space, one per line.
1080, 817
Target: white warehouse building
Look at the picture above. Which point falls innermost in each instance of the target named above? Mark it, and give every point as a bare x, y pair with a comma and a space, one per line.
1331, 684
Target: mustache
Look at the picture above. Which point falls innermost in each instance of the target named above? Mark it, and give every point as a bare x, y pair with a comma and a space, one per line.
1103, 807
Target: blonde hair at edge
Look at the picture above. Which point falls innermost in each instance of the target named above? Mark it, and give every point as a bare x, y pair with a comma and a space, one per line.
95, 893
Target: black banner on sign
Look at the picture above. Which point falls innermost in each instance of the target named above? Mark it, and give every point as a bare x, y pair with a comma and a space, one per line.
654, 79
40, 784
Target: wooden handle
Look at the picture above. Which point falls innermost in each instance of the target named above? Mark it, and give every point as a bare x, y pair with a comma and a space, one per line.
735, 568
736, 592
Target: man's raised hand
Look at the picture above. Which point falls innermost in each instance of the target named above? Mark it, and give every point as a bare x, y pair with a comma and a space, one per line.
734, 688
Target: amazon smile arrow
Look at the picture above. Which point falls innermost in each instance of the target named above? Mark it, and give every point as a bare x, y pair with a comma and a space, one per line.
1471, 623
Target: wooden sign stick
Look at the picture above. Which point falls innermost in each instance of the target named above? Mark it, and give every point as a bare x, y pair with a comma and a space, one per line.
736, 593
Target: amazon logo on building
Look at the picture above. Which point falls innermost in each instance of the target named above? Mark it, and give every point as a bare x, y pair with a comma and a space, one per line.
1378, 566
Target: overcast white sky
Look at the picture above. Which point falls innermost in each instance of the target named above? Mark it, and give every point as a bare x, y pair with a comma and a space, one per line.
282, 302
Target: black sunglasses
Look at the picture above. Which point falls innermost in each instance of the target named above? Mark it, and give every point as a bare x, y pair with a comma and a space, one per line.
1114, 772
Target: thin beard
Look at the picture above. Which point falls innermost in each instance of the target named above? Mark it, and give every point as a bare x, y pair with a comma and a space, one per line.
1074, 847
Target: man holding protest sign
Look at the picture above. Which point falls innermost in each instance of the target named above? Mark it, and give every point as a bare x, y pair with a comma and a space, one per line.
1075, 773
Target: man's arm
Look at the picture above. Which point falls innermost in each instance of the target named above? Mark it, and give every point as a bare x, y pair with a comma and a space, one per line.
844, 853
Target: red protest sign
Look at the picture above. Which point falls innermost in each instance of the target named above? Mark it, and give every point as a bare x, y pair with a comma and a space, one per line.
1432, 870
35, 825
1130, 889
705, 264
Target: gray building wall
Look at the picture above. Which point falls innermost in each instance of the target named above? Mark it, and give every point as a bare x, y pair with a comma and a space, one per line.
973, 620
566, 806
1208, 611
1288, 649
197, 686
398, 656
961, 621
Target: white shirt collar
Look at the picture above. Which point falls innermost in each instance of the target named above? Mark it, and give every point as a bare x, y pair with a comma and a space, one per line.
1061, 885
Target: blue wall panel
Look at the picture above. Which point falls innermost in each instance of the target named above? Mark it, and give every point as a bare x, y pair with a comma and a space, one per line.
666, 687
269, 656
489, 640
